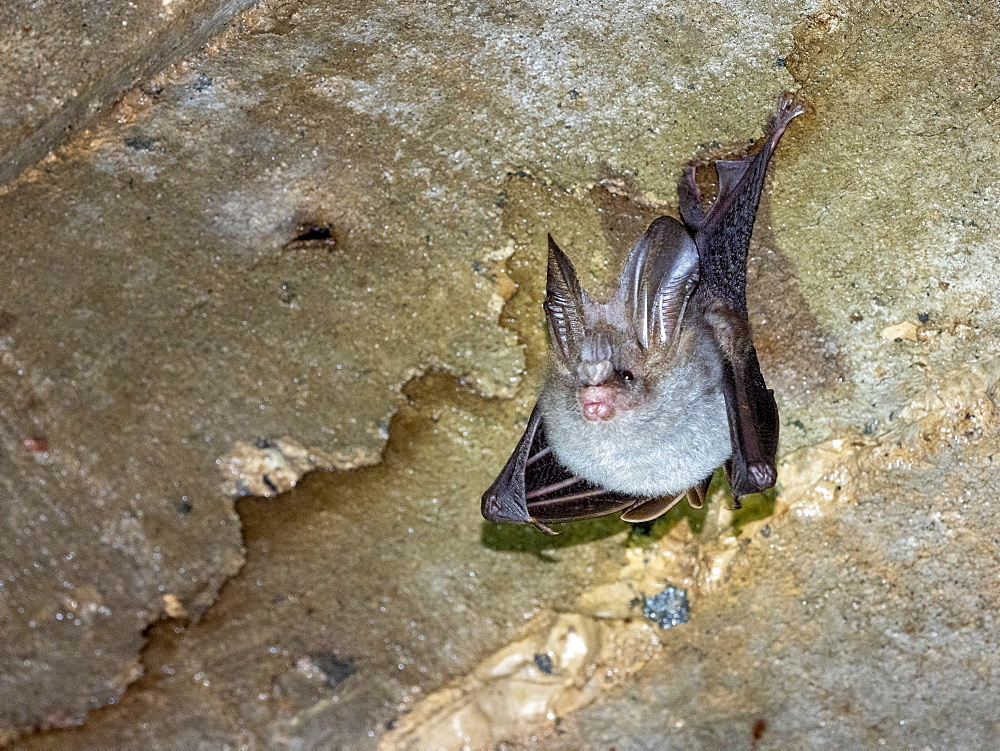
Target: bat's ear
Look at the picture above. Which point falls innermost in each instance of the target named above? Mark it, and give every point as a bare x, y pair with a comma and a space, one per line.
563, 303
658, 279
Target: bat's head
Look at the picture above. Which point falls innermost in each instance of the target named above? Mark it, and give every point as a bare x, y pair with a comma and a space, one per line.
612, 353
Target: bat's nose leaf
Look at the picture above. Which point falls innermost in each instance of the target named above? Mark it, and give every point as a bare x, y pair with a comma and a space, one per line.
595, 373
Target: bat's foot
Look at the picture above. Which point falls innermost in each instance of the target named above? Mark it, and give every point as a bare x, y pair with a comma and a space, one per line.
690, 183
692, 211
790, 106
646, 511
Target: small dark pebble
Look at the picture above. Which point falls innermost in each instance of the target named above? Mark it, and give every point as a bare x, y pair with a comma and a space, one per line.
184, 508
544, 663
335, 670
140, 143
669, 608
758, 729
924, 317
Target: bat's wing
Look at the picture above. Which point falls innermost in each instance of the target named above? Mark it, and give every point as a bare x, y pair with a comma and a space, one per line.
534, 488
753, 425
722, 235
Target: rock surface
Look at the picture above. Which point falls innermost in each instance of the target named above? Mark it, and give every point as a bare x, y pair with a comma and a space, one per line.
66, 64
230, 279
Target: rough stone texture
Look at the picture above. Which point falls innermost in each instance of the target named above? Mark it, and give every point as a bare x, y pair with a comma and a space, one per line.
383, 568
230, 280
65, 63
865, 618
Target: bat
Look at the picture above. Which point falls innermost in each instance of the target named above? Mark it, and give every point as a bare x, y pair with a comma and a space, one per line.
650, 391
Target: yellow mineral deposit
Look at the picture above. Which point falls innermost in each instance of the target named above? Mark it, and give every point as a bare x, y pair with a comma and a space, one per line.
566, 660
905, 330
266, 468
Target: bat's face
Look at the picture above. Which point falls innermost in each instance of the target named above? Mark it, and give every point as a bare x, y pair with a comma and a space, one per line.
610, 373
610, 353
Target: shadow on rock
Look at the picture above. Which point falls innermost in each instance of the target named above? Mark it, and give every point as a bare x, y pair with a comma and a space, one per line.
518, 538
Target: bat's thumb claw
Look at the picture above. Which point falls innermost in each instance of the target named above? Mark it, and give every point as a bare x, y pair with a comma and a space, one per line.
762, 475
543, 527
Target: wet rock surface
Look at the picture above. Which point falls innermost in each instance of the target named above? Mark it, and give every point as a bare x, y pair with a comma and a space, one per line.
229, 281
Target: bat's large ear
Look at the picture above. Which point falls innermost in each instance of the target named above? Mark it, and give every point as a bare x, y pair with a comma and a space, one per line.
563, 303
659, 276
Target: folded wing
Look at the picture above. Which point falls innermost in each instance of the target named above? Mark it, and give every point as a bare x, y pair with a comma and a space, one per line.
534, 488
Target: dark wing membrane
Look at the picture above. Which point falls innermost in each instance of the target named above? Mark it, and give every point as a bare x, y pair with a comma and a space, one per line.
723, 233
723, 239
753, 427
534, 488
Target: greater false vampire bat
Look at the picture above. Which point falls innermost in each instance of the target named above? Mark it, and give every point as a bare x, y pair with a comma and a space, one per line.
652, 390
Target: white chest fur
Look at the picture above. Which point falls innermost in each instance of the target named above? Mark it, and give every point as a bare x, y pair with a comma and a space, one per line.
668, 443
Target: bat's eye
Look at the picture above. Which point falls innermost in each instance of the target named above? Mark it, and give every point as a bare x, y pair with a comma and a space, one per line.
627, 375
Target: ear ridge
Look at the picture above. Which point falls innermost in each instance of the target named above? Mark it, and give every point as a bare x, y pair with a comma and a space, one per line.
676, 288
658, 279
563, 302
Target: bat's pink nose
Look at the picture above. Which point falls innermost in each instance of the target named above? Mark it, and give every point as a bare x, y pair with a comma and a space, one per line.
597, 402
597, 411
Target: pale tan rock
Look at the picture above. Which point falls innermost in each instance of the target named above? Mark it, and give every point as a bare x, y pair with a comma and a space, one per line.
905, 330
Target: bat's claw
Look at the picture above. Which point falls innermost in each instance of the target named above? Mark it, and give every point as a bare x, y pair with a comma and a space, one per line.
763, 475
543, 527
790, 106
